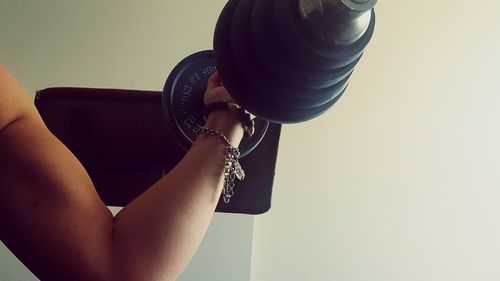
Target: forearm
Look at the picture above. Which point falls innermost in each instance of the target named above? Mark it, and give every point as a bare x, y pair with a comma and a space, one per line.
158, 233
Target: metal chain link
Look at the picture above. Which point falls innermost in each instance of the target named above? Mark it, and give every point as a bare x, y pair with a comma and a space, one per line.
232, 167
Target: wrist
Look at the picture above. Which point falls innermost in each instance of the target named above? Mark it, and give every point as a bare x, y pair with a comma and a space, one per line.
245, 118
228, 123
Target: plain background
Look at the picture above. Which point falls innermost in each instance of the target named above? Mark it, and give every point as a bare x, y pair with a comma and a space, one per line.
399, 181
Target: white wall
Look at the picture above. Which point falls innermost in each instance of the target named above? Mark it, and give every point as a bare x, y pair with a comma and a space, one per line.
401, 180
118, 44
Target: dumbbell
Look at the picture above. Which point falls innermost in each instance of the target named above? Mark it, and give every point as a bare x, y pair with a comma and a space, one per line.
285, 61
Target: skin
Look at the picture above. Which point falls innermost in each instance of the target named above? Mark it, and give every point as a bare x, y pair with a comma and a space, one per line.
52, 219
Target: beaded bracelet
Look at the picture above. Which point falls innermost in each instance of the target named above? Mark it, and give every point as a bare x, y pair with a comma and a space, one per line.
232, 167
219, 105
245, 117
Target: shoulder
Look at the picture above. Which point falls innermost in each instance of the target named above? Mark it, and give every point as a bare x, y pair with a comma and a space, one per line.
14, 101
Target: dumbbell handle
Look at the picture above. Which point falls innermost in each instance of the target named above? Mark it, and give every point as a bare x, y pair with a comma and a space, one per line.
340, 22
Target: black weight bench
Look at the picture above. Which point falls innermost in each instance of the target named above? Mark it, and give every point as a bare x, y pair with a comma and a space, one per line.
122, 141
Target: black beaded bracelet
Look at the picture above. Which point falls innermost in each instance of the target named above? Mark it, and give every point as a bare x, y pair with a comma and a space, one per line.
247, 122
211, 107
246, 119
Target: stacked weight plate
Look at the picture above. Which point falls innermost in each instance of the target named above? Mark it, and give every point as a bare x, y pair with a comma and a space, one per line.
271, 63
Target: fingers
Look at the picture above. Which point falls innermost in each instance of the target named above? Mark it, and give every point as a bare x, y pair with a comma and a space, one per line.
214, 81
216, 91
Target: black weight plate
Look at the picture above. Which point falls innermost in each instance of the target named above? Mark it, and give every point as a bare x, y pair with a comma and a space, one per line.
244, 92
268, 89
182, 102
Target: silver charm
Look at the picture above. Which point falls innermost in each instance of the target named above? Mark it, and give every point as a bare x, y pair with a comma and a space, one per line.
240, 173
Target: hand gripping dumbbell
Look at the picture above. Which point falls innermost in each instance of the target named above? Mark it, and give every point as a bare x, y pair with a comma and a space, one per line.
285, 61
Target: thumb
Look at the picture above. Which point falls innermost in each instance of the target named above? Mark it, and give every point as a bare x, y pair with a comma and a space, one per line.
214, 81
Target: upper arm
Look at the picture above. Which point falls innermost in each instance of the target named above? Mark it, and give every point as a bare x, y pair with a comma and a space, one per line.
51, 217
14, 101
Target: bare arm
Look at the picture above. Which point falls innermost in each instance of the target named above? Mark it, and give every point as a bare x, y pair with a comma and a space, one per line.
50, 215
174, 214
53, 220
168, 222
14, 102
